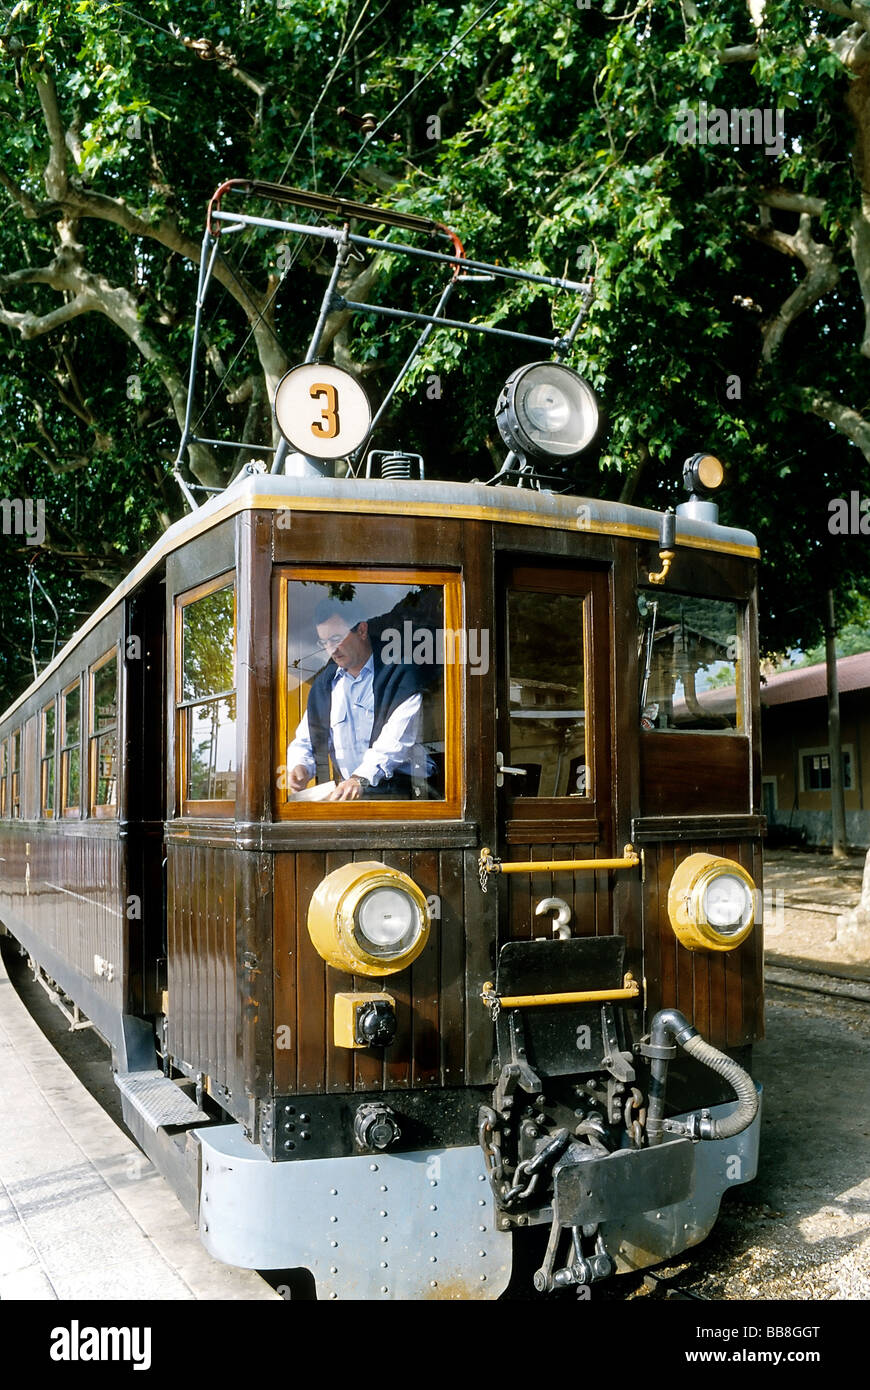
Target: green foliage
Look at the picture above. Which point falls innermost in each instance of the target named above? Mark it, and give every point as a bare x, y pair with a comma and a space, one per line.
557, 133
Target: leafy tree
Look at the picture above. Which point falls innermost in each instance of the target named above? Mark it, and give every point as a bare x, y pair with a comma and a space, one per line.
732, 295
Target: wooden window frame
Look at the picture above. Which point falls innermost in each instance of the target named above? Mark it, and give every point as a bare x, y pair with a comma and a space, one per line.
47, 762
450, 808
98, 810
846, 749
15, 773
188, 807
66, 810
568, 819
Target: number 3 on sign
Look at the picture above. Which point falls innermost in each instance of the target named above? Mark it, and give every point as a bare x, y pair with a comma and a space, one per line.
327, 427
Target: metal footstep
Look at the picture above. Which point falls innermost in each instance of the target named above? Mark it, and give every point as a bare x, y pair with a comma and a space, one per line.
158, 1100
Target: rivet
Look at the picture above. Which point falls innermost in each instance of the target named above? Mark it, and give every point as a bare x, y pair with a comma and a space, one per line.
306, 1119
205, 1228
383, 1213
333, 1269
481, 1253
373, 1167
384, 1240
433, 1233
432, 1182
383, 1188
333, 1218
384, 1288
334, 1244
432, 1259
384, 1264
433, 1207
481, 1202
289, 1144
433, 1283
481, 1228
289, 1126
289, 1109
333, 1295
481, 1177
658, 1216
333, 1192
305, 1134
482, 1277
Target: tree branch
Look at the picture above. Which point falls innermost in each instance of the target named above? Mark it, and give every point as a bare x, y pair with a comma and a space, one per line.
848, 421
822, 275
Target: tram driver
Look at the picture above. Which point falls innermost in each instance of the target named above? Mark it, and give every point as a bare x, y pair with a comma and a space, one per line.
363, 716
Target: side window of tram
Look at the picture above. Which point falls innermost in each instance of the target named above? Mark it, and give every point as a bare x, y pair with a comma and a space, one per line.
366, 688
4, 773
690, 663
70, 751
547, 694
15, 774
104, 736
207, 698
46, 769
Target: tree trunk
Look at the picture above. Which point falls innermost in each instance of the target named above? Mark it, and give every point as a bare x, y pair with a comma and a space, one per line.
838, 804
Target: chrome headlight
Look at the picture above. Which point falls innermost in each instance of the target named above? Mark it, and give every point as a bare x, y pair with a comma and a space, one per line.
711, 903
547, 411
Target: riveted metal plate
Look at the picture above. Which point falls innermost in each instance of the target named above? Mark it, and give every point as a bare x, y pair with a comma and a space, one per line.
158, 1100
379, 1227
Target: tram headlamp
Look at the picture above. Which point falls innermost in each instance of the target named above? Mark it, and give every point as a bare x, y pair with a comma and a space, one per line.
367, 919
711, 903
703, 474
547, 411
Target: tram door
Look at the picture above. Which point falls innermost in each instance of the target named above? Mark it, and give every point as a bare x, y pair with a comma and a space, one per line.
554, 732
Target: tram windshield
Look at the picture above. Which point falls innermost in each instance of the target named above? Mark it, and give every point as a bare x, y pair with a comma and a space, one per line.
690, 663
365, 691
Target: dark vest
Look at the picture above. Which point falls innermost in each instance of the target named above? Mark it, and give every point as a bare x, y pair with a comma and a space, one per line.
391, 685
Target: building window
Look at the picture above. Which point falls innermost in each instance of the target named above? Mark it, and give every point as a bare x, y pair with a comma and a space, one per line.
15, 774
70, 750
370, 693
48, 730
206, 698
816, 769
103, 740
689, 657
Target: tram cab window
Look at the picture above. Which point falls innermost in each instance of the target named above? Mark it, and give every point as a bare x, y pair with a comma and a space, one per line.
4, 770
690, 663
103, 740
546, 640
206, 699
370, 692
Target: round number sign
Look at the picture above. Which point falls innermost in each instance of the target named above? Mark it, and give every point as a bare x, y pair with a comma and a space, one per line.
322, 410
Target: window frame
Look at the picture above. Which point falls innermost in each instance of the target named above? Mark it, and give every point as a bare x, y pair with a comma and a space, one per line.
848, 752
740, 728
107, 810
47, 761
450, 807
67, 810
4, 773
186, 805
15, 745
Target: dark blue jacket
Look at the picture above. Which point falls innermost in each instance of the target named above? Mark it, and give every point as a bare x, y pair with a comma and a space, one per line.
391, 686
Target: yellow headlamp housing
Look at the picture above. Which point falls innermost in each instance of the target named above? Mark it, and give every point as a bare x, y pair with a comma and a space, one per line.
711, 903
367, 919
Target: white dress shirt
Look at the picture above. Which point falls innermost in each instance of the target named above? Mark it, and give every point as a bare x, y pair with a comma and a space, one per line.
351, 717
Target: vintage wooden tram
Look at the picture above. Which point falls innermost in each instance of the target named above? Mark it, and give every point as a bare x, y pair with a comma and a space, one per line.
348, 1030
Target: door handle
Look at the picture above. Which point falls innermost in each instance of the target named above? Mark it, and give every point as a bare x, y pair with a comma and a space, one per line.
502, 767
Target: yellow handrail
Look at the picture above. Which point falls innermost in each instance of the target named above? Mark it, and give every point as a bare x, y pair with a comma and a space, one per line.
488, 865
630, 990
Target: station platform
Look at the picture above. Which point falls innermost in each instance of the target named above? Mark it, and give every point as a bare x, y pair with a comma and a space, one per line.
83, 1213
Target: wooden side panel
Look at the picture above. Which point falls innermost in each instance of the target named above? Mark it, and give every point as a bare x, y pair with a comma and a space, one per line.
719, 991
203, 1005
431, 1039
694, 774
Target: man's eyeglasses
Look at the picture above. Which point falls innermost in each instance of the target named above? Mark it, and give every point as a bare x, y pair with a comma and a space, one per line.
329, 644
